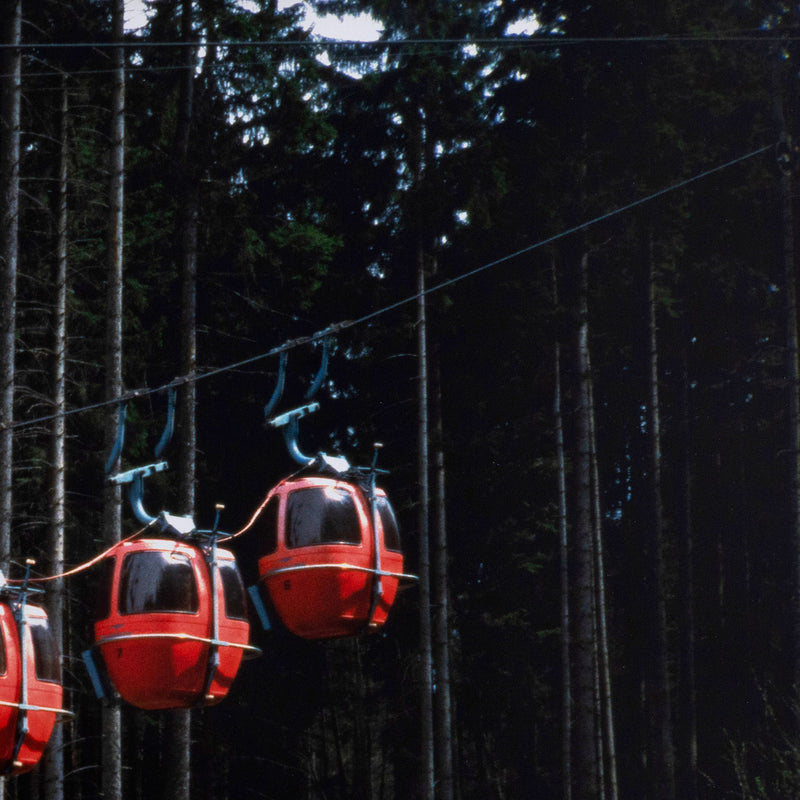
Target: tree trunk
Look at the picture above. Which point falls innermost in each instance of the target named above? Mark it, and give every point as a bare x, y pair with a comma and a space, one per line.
10, 80
54, 756
426, 777
792, 371
604, 653
177, 785
686, 728
443, 724
112, 517
362, 783
585, 764
188, 181
563, 547
661, 760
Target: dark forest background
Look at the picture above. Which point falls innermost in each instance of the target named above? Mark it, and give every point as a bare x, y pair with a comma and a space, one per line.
329, 178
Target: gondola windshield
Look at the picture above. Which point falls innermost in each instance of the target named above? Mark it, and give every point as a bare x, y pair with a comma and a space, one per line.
154, 581
321, 515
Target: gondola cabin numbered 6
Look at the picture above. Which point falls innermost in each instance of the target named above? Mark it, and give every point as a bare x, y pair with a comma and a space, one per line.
330, 557
30, 684
170, 625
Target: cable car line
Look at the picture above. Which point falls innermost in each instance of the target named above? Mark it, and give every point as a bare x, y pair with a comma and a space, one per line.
374, 48
547, 40
563, 234
291, 344
81, 567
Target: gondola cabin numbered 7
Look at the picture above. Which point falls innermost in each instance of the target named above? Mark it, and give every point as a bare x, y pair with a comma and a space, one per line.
330, 557
171, 627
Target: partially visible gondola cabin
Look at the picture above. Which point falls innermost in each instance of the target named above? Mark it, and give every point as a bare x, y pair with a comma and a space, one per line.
30, 686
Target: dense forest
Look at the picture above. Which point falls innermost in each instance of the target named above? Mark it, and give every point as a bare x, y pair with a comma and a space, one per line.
549, 247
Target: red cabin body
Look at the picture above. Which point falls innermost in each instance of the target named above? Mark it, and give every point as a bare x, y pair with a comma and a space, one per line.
320, 561
155, 623
44, 691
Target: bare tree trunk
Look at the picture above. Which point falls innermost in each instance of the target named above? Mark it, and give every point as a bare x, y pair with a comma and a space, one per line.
585, 765
443, 722
177, 785
598, 695
426, 778
563, 540
54, 756
686, 729
362, 783
112, 516
188, 180
661, 759
604, 658
10, 87
792, 356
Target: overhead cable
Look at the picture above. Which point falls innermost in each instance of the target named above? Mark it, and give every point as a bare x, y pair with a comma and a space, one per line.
547, 40
291, 344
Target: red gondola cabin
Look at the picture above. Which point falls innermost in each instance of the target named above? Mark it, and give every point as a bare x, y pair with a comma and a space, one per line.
35, 700
329, 568
158, 626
